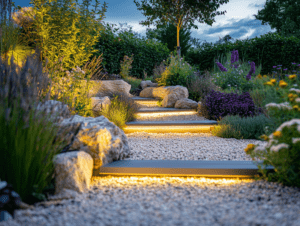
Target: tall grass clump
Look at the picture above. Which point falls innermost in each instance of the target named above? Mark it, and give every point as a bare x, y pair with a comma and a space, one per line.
233, 126
199, 87
121, 110
28, 139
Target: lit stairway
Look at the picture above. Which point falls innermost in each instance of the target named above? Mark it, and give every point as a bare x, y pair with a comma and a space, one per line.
217, 169
149, 106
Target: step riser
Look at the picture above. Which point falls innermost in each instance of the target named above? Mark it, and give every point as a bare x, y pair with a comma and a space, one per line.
180, 168
168, 129
162, 114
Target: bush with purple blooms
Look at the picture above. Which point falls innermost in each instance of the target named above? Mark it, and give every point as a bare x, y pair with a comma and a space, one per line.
217, 105
238, 75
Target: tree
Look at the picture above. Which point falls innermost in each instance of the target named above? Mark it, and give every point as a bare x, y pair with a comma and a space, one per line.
167, 34
180, 13
225, 39
63, 31
282, 15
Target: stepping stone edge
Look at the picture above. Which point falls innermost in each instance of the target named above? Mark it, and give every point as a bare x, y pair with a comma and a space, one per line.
175, 168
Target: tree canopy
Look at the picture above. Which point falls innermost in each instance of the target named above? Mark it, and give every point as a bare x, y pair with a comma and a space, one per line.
282, 15
180, 13
167, 35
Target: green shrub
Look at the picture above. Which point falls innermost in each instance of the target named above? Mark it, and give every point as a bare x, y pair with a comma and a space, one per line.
134, 82
281, 152
121, 110
28, 140
233, 126
200, 86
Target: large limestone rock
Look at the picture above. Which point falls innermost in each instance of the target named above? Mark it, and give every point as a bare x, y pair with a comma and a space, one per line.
101, 139
186, 103
73, 171
148, 83
169, 94
102, 88
98, 103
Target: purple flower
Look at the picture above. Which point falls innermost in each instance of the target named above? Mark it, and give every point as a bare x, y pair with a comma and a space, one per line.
221, 67
252, 70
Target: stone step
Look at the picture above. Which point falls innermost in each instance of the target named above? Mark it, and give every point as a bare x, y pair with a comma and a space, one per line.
146, 102
160, 111
205, 126
221, 169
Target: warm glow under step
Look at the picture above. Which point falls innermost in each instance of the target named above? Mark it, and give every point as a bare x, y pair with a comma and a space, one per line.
176, 168
170, 126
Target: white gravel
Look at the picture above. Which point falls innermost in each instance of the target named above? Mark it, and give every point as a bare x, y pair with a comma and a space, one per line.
173, 201
187, 146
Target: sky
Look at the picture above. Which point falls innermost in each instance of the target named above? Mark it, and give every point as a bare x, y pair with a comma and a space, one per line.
238, 21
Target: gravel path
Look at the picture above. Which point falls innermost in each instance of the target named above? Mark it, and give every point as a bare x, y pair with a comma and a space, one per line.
131, 201
173, 201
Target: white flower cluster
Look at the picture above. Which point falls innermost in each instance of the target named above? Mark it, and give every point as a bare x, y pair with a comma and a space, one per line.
279, 146
273, 141
285, 105
289, 124
296, 90
295, 140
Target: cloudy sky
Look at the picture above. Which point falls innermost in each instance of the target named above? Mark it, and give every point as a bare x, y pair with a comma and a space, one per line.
238, 22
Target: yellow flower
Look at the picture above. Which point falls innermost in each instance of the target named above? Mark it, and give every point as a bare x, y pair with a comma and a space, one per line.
265, 137
277, 134
265, 76
295, 95
292, 77
269, 83
291, 95
249, 147
259, 76
282, 84
273, 81
296, 107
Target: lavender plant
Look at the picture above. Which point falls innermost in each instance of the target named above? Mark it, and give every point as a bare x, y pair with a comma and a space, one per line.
235, 77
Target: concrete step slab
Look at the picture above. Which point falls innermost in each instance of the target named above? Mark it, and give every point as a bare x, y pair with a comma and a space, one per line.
176, 168
172, 123
164, 110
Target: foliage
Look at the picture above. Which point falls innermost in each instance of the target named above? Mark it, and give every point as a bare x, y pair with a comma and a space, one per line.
59, 35
217, 105
281, 15
121, 110
29, 140
237, 76
199, 87
125, 66
233, 126
177, 73
134, 82
174, 12
167, 33
10, 42
114, 48
282, 151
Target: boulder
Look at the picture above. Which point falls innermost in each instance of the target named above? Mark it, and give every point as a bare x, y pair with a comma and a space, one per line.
98, 137
186, 103
162, 91
73, 171
176, 93
102, 88
10, 201
169, 94
99, 103
148, 83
